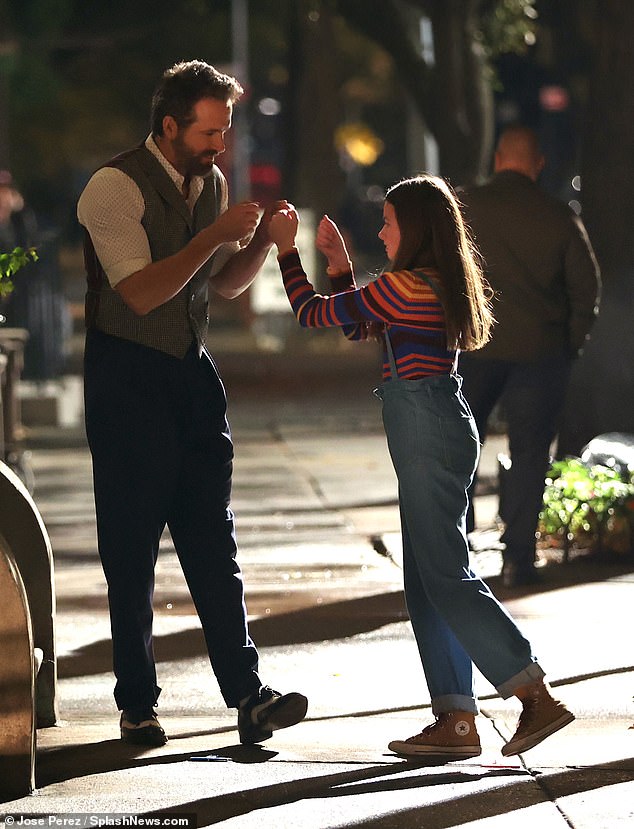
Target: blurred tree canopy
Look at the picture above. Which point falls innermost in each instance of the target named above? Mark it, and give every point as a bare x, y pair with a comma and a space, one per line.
450, 79
78, 75
76, 78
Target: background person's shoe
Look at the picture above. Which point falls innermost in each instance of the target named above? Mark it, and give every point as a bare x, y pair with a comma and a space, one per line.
265, 711
453, 736
541, 716
140, 727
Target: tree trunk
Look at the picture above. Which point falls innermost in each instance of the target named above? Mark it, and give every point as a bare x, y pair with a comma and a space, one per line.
601, 397
452, 96
319, 181
463, 102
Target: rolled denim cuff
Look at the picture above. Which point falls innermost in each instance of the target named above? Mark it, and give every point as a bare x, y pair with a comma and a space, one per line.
532, 673
453, 702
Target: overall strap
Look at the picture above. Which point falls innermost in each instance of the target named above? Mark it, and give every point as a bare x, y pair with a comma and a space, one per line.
388, 342
390, 354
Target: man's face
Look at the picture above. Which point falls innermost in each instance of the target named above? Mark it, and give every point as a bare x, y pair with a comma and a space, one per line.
195, 146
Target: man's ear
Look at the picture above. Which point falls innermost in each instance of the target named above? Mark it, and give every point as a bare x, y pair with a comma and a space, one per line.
170, 127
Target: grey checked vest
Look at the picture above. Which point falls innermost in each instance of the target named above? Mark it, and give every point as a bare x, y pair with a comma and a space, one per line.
169, 224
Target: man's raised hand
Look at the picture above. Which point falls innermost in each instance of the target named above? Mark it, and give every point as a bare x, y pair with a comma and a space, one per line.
238, 222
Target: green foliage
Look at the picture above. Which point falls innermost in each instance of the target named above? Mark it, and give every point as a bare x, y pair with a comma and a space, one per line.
588, 506
509, 27
10, 263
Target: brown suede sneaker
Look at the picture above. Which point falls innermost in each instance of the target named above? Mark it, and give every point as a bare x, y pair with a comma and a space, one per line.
541, 716
453, 735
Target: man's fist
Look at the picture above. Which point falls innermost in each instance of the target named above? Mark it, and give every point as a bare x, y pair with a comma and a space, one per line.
238, 222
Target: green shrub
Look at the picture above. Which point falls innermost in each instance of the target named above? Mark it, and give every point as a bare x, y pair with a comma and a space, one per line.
588, 507
10, 264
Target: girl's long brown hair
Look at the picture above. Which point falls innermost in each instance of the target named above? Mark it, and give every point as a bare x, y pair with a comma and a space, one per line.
433, 235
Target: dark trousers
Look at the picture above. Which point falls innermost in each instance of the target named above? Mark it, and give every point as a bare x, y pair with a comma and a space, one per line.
162, 455
532, 397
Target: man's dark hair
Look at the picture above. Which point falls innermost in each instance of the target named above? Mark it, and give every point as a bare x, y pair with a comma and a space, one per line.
183, 85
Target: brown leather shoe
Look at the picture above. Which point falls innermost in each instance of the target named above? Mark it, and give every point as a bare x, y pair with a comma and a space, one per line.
140, 726
453, 736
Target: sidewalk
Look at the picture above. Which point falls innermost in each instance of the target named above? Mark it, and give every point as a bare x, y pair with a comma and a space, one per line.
314, 490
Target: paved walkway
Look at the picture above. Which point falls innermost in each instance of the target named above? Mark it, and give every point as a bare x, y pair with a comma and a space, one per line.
314, 495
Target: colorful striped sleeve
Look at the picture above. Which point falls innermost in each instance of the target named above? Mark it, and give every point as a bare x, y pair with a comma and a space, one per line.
399, 297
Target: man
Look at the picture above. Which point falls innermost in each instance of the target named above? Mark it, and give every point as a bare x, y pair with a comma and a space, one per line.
541, 266
159, 234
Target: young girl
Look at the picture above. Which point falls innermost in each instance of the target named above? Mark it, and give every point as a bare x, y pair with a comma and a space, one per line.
431, 303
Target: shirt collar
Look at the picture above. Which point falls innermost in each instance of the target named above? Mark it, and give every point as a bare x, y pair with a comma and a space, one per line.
196, 184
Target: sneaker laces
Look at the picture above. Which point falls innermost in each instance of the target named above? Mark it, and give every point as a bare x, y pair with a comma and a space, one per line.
440, 720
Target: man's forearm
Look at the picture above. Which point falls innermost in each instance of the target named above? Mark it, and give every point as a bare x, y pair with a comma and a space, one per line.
240, 271
159, 282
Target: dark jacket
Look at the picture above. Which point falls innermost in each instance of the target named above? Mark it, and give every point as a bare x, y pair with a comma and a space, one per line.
539, 261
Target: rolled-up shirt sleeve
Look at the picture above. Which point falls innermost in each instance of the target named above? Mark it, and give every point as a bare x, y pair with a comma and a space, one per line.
111, 208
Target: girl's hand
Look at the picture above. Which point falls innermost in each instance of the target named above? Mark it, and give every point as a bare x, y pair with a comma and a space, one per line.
269, 211
330, 242
283, 228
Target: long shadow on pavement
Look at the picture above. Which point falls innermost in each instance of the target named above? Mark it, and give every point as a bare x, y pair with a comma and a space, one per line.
501, 800
335, 620
57, 765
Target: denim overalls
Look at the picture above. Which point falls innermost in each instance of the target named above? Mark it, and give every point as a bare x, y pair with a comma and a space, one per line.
457, 621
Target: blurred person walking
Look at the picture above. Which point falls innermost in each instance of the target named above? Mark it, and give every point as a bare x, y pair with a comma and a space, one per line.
18, 225
539, 261
159, 235
430, 303
37, 302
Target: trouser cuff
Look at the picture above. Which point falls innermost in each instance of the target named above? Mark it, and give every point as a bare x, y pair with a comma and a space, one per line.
532, 673
453, 702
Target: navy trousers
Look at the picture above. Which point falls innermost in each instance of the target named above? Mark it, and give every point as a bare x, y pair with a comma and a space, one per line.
162, 456
532, 395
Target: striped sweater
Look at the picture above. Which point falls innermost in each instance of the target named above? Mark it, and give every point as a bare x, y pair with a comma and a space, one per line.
402, 301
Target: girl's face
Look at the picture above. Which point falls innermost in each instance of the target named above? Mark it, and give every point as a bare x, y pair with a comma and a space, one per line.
390, 234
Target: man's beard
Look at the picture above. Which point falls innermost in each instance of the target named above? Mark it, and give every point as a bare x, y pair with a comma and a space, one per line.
199, 164
197, 167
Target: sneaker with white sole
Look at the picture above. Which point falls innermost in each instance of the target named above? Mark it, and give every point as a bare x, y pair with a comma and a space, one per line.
266, 710
541, 716
140, 726
453, 735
